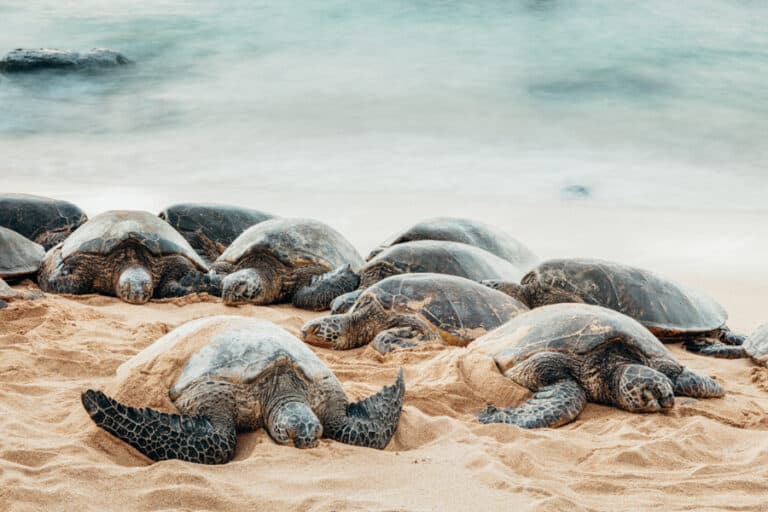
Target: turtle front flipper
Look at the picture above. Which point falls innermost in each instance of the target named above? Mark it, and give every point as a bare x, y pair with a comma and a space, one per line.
322, 289
707, 346
550, 406
205, 439
688, 383
370, 422
343, 303
408, 331
730, 338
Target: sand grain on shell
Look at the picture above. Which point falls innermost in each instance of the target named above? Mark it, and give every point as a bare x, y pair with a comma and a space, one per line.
708, 454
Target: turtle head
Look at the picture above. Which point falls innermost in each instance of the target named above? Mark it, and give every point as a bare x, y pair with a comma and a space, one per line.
242, 287
322, 289
640, 388
328, 332
294, 422
134, 284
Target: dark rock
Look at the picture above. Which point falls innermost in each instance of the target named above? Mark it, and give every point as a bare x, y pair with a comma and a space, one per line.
24, 60
576, 192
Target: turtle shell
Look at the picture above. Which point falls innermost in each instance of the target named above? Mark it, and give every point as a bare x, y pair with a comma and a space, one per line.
220, 223
107, 231
757, 345
658, 303
459, 308
574, 329
18, 255
33, 216
452, 258
240, 350
466, 231
294, 242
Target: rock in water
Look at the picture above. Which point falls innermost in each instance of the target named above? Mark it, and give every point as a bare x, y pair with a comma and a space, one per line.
23, 60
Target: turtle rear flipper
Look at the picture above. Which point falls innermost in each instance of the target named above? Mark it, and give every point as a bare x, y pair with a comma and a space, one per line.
162, 436
550, 406
713, 347
370, 422
694, 385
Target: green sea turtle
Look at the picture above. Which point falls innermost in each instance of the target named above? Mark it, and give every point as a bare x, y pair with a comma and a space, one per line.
248, 374
421, 256
465, 231
41, 219
210, 228
132, 255
756, 345
39, 59
19, 257
671, 311
571, 354
275, 259
402, 310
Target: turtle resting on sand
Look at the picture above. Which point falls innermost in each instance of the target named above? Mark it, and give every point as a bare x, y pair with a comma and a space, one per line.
756, 345
403, 310
671, 311
41, 219
421, 256
275, 260
210, 228
250, 374
465, 231
571, 354
19, 257
132, 255
38, 59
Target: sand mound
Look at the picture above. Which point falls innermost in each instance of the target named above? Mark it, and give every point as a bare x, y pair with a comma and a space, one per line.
704, 454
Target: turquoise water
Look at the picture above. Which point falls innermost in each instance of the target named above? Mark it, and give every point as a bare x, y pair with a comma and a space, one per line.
644, 103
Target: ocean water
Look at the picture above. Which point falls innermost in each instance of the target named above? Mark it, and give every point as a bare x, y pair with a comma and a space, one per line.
616, 102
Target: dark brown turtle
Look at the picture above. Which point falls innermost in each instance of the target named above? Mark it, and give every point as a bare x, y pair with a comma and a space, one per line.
19, 257
571, 354
211, 228
132, 255
671, 311
400, 311
248, 374
41, 219
422, 256
273, 260
465, 231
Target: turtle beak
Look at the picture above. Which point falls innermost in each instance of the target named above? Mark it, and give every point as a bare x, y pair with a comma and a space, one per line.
310, 334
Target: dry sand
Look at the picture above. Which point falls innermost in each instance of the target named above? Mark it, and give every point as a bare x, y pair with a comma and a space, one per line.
703, 455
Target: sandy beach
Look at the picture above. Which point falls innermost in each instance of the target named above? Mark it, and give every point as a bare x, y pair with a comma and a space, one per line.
703, 455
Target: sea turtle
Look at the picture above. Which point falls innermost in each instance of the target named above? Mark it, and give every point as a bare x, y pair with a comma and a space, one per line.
421, 256
133, 255
248, 374
402, 310
19, 257
275, 259
671, 311
210, 228
756, 345
571, 354
38, 59
41, 219
465, 231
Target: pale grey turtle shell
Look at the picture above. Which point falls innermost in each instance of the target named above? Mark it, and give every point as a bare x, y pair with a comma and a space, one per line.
18, 255
242, 349
104, 232
573, 329
756, 345
294, 242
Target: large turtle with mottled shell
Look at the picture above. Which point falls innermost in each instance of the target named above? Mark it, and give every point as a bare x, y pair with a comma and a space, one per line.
41, 219
211, 228
403, 310
133, 255
248, 374
275, 260
19, 257
465, 231
571, 354
671, 311
422, 256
